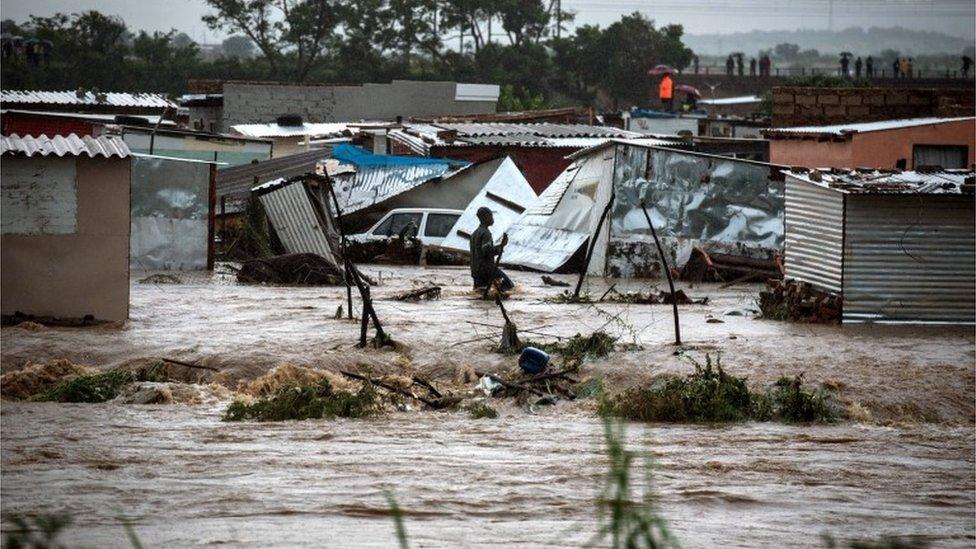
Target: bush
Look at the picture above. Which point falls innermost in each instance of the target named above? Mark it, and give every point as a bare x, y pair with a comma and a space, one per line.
577, 348
710, 395
296, 402
100, 387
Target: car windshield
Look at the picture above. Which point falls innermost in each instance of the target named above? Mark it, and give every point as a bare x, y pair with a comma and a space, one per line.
396, 223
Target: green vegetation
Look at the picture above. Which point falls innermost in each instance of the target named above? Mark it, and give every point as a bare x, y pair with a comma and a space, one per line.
575, 349
397, 514
539, 63
480, 410
567, 297
826, 81
99, 387
296, 402
628, 523
35, 531
710, 395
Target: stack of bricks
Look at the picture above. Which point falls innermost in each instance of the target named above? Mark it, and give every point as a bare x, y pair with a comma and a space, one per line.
825, 106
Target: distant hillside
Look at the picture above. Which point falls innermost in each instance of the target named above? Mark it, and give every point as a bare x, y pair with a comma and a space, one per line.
854, 39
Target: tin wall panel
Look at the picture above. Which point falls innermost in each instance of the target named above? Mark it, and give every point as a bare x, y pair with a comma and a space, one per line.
814, 235
294, 218
910, 259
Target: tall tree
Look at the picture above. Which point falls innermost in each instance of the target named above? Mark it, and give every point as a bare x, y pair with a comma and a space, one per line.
289, 33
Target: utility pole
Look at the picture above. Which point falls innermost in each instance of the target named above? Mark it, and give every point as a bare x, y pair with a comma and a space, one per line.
559, 17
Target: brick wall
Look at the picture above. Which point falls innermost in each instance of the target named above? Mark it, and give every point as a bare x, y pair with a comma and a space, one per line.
821, 106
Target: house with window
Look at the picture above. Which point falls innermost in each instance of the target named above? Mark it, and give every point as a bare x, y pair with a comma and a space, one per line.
906, 144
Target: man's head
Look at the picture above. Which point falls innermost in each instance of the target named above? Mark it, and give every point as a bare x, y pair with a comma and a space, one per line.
485, 216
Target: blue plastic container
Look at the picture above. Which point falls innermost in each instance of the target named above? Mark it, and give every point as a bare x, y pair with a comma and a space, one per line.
533, 361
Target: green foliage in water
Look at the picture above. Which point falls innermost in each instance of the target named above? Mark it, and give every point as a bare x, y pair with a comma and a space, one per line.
99, 387
397, 514
710, 395
788, 401
567, 297
628, 523
593, 387
480, 410
296, 402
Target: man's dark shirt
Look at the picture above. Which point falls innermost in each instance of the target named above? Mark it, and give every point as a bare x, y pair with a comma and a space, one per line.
483, 252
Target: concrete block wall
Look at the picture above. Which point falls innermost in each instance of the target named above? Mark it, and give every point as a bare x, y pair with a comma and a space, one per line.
248, 102
824, 106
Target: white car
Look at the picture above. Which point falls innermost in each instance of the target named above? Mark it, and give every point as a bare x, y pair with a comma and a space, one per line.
433, 225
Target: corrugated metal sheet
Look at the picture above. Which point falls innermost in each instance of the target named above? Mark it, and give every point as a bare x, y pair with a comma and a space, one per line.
324, 129
910, 259
841, 129
375, 184
543, 129
236, 181
72, 145
888, 182
296, 221
29, 97
814, 234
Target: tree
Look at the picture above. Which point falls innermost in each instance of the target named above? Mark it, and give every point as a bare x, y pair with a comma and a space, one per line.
237, 46
786, 51
289, 33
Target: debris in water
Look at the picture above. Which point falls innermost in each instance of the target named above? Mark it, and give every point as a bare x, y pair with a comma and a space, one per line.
291, 269
481, 410
428, 293
37, 377
550, 281
160, 278
799, 301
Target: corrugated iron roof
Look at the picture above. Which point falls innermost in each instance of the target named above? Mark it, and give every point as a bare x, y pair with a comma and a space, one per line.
311, 129
889, 182
862, 127
114, 99
236, 181
543, 129
376, 184
72, 145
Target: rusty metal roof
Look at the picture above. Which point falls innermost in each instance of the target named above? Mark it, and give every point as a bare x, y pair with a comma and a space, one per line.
72, 145
87, 98
889, 181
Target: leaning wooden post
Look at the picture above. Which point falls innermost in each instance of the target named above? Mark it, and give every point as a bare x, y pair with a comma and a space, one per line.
589, 250
346, 275
667, 271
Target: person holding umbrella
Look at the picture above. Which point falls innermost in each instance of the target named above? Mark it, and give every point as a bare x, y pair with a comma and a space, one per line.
691, 97
665, 92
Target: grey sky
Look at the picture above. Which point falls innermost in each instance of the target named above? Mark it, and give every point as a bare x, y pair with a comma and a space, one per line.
954, 17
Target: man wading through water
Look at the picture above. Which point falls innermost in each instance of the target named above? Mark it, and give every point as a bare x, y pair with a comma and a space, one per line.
483, 253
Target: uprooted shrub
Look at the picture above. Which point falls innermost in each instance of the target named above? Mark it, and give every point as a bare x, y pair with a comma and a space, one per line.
99, 387
297, 402
710, 395
480, 410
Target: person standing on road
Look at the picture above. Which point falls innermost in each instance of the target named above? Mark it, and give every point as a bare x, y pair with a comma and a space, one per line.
845, 66
484, 269
857, 67
967, 63
729, 65
739, 63
665, 92
869, 67
752, 66
694, 60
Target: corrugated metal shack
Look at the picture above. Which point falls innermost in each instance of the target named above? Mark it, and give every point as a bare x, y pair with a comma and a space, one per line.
897, 246
715, 203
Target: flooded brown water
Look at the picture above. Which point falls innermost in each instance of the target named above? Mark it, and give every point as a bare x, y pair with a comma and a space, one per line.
185, 479
904, 467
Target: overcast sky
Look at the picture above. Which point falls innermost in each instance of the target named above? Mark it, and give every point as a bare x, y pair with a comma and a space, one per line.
954, 17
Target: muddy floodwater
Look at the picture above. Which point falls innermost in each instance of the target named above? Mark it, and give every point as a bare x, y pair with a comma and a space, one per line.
901, 463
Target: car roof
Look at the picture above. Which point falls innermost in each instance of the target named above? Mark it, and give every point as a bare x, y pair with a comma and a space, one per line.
422, 210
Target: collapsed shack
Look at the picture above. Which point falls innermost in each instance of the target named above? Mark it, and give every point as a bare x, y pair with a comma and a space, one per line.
291, 269
720, 205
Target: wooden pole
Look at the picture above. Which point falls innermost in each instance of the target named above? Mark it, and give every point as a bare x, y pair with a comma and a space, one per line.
667, 271
589, 250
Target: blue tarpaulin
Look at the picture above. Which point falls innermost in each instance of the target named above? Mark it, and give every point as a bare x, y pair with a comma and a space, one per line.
361, 158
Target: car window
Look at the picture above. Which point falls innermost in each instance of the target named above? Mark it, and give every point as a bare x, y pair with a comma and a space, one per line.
384, 228
401, 220
439, 224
